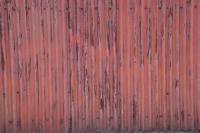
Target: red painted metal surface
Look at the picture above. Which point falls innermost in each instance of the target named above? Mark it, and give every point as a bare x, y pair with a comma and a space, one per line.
99, 65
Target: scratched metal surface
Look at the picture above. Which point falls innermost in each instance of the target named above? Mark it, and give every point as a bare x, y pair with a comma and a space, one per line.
99, 65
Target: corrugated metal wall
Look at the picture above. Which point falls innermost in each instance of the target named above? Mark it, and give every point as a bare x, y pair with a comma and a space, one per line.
99, 65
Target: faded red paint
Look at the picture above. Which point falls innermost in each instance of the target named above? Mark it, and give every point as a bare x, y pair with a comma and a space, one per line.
99, 65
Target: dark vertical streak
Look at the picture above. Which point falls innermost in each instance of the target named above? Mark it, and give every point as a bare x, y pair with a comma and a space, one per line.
2, 60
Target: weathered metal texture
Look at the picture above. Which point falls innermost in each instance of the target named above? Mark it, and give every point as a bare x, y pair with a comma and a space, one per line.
99, 65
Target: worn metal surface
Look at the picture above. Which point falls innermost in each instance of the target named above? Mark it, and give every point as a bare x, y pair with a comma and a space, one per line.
99, 65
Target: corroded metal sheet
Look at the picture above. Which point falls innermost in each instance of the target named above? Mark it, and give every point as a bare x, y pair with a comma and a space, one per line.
69, 66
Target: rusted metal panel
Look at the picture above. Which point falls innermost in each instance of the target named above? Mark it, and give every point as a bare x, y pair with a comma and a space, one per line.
99, 65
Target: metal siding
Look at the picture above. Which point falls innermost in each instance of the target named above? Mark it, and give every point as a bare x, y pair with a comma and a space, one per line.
99, 65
